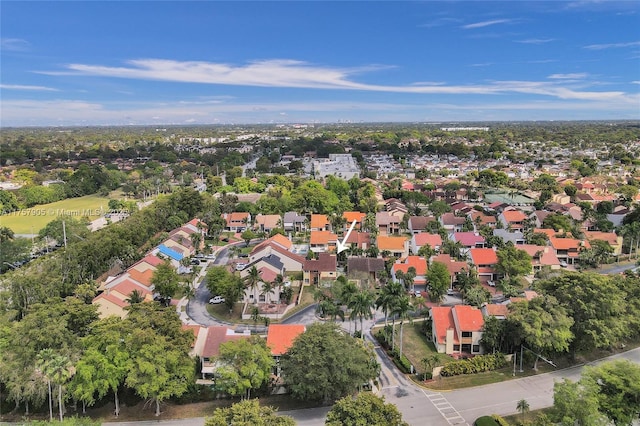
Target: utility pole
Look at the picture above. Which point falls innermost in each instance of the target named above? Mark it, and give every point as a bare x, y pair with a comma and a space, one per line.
64, 234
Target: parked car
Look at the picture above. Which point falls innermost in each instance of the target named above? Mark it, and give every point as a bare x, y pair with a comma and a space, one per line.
216, 300
240, 266
450, 292
491, 283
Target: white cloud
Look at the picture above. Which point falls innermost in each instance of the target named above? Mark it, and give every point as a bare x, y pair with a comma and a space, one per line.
612, 45
486, 23
26, 87
535, 41
570, 76
14, 44
298, 74
635, 82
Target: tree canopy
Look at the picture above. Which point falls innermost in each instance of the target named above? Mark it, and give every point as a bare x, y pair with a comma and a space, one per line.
341, 364
364, 409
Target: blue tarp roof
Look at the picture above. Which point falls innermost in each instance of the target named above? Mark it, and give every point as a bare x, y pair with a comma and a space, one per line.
170, 252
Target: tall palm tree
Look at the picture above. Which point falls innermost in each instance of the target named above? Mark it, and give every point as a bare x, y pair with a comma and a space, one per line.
43, 360
267, 287
360, 306
523, 407
278, 282
252, 280
402, 310
388, 297
57, 369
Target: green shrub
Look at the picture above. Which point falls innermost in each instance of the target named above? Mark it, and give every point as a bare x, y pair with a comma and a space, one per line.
485, 421
499, 420
477, 364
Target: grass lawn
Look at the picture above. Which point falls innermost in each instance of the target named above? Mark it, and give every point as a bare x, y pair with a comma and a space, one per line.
415, 345
222, 313
33, 219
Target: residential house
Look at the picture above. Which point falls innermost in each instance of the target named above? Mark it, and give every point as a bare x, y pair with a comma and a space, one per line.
319, 222
538, 217
614, 240
397, 246
387, 223
457, 329
512, 219
453, 266
365, 269
293, 222
280, 338
322, 241
268, 222
216, 336
499, 311
237, 221
292, 262
361, 240
485, 261
467, 240
541, 256
268, 267
321, 270
479, 219
423, 239
113, 301
516, 237
418, 224
350, 217
416, 262
452, 223
568, 249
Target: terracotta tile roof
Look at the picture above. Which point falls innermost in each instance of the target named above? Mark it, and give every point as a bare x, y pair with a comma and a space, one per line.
567, 243
419, 263
359, 238
391, 243
468, 318
496, 310
420, 222
127, 286
280, 337
483, 256
110, 298
195, 222
217, 335
442, 317
424, 238
609, 237
454, 266
319, 221
512, 216
547, 255
143, 278
351, 216
269, 221
484, 219
267, 275
151, 260
322, 237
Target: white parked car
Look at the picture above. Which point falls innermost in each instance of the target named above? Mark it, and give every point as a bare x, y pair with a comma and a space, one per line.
240, 266
216, 300
491, 283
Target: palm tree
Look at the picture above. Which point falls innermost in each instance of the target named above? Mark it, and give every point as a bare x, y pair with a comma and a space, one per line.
402, 309
360, 306
43, 360
278, 282
388, 297
267, 287
134, 297
523, 407
57, 369
252, 280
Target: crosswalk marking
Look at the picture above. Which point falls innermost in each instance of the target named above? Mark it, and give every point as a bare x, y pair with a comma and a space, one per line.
446, 410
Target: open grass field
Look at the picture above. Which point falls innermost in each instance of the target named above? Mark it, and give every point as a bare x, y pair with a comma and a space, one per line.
33, 219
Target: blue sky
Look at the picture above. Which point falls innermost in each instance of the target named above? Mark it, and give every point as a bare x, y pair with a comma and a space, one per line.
210, 62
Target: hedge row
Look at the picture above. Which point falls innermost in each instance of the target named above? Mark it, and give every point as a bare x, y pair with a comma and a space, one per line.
477, 364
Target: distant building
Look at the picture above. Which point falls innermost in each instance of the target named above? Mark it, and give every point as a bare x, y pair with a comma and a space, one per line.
338, 165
